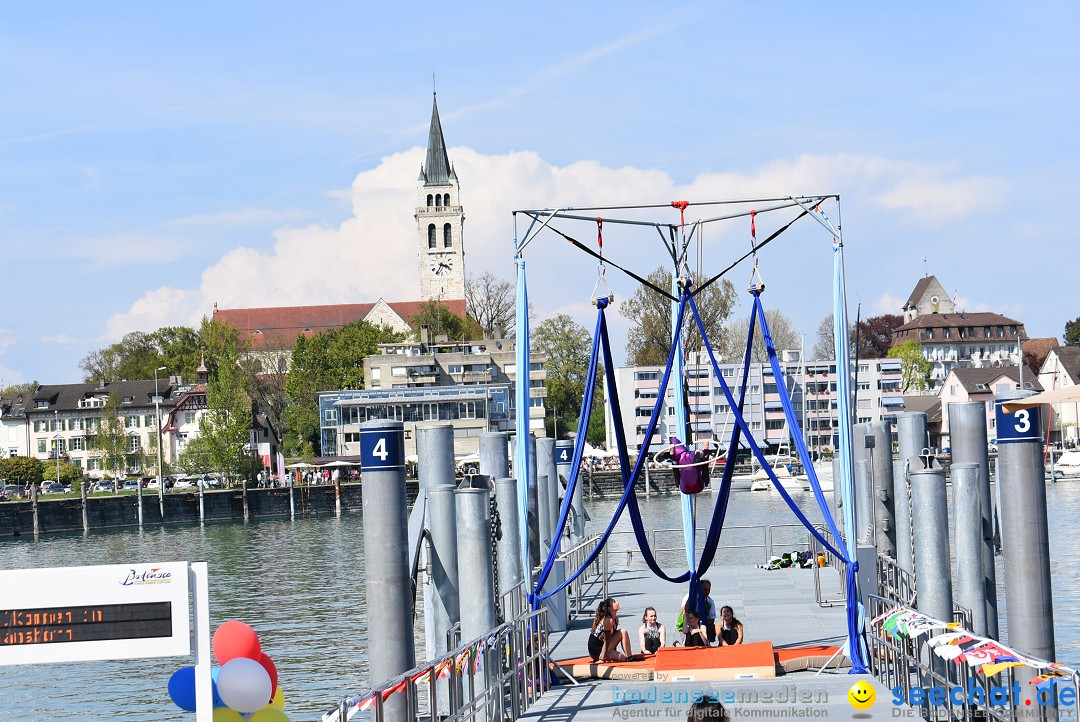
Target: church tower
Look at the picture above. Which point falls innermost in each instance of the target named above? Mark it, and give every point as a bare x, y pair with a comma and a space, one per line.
439, 221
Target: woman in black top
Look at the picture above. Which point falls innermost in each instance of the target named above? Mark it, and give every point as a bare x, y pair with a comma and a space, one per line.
696, 633
652, 635
606, 637
730, 629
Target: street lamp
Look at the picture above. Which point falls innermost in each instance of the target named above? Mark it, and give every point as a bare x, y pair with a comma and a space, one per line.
56, 443
157, 412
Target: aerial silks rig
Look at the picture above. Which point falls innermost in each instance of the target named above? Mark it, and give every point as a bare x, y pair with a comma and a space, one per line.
676, 241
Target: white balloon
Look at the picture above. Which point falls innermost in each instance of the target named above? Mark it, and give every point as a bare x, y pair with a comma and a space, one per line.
244, 685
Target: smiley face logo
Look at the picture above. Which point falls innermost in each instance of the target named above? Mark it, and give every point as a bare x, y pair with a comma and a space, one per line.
862, 695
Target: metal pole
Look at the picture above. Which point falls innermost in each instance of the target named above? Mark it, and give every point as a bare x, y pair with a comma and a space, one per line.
931, 514
495, 454
902, 516
1025, 538
475, 569
85, 511
564, 455
881, 464
292, 500
160, 463
510, 573
910, 434
968, 523
864, 507
547, 469
202, 501
441, 588
435, 456
967, 437
388, 583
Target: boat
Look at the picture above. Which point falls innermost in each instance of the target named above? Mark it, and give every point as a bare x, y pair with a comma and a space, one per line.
1066, 466
788, 472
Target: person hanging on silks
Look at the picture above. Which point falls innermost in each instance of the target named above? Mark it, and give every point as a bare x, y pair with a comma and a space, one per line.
689, 468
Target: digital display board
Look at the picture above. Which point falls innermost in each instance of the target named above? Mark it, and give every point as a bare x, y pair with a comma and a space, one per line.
116, 611
85, 623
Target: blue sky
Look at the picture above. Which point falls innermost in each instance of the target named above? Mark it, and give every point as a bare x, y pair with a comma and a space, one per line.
156, 158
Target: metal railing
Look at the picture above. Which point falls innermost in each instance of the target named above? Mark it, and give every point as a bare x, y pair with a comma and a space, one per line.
907, 663
494, 678
574, 557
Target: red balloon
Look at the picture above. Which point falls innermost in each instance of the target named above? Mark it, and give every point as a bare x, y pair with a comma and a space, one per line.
271, 669
235, 639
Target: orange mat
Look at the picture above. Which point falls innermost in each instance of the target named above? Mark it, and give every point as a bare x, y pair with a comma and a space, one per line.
742, 661
756, 660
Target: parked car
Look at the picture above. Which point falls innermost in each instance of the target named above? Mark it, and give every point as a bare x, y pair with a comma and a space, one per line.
210, 482
184, 483
11, 492
105, 485
52, 487
131, 485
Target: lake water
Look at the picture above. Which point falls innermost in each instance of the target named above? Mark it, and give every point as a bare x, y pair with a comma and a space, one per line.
300, 584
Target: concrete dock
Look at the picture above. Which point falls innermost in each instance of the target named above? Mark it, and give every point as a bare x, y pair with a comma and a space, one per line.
778, 606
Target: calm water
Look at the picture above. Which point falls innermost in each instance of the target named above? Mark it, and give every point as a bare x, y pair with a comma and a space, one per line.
301, 586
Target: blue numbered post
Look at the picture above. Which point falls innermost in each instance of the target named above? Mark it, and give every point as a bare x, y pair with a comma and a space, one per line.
1023, 426
382, 446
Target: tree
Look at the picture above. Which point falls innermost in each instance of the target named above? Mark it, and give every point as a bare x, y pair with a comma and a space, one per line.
491, 302
1072, 332
112, 443
195, 458
22, 470
178, 348
441, 321
26, 388
876, 335
783, 333
227, 423
914, 368
327, 361
567, 347
649, 341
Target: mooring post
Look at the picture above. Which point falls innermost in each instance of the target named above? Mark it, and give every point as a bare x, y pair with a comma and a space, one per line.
1025, 538
545, 469
910, 441
967, 437
509, 547
930, 512
389, 587
881, 462
967, 523
292, 496
85, 511
436, 479
564, 456
495, 454
864, 501
475, 569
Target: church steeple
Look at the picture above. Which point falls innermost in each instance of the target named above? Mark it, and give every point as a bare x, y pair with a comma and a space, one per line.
436, 170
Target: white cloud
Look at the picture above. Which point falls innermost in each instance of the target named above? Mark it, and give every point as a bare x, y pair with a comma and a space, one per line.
373, 254
60, 338
935, 201
887, 303
126, 249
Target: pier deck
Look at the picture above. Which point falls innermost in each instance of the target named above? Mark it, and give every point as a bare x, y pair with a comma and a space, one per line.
779, 606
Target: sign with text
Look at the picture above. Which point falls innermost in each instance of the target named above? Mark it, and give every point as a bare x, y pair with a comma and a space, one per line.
382, 448
72, 614
1021, 426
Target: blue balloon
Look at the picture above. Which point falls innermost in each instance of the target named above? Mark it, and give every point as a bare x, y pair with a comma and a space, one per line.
182, 688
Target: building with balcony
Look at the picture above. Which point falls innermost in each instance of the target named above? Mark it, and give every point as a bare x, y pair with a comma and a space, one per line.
964, 340
811, 386
64, 421
469, 385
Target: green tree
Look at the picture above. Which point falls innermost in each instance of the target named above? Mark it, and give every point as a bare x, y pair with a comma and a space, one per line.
26, 388
21, 470
649, 340
1072, 332
226, 425
111, 443
325, 362
567, 347
441, 321
914, 367
195, 458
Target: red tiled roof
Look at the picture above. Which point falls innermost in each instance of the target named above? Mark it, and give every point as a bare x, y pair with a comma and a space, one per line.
277, 328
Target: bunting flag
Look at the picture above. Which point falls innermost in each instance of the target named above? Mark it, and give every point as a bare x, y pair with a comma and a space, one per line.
920, 626
993, 668
947, 638
985, 652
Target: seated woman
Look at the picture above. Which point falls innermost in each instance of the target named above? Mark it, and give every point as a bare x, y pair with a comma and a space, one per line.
696, 633
606, 637
652, 635
728, 628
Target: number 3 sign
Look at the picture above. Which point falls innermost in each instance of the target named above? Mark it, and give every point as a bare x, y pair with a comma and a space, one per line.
1021, 426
